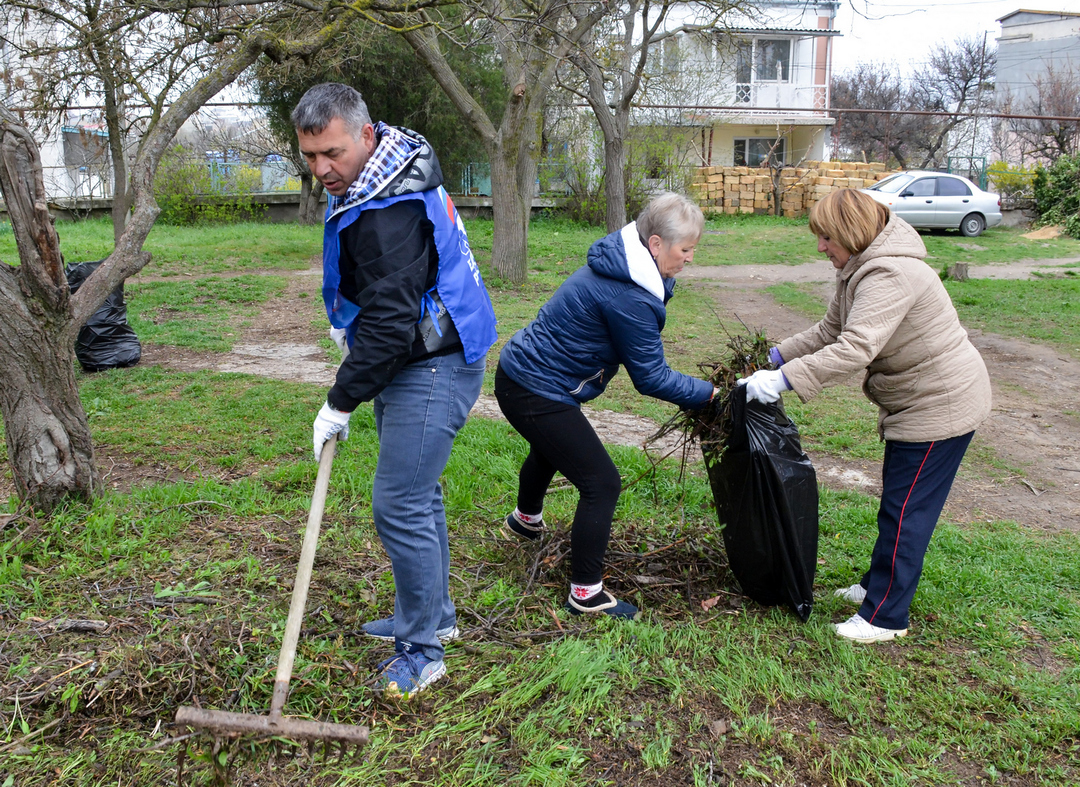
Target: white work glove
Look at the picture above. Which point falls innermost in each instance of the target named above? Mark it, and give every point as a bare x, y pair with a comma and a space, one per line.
338, 335
329, 422
765, 385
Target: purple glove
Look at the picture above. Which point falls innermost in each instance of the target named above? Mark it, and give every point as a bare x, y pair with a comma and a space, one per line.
775, 357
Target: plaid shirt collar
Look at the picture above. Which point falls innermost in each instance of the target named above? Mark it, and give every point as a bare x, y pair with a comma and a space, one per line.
392, 154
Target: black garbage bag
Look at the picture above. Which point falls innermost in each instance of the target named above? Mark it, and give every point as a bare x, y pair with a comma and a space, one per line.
106, 341
766, 496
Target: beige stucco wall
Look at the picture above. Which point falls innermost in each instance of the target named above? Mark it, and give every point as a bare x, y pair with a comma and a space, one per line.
803, 142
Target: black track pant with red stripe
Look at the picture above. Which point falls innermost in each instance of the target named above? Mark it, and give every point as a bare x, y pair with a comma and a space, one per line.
916, 478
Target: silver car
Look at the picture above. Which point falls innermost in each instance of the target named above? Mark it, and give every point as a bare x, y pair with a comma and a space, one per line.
934, 199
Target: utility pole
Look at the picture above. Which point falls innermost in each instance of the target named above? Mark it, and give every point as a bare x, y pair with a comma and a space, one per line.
978, 99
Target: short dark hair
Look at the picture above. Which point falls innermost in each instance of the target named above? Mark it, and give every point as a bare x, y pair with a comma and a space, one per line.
322, 103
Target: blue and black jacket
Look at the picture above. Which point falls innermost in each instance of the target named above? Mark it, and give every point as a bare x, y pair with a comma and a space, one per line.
608, 313
399, 276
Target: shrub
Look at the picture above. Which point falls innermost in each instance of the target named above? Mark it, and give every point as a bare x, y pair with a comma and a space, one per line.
1057, 194
189, 192
1012, 184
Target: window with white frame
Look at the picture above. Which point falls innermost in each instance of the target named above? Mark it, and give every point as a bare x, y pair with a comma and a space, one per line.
763, 60
753, 151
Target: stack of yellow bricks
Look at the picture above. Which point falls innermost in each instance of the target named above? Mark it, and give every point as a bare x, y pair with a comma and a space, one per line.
750, 189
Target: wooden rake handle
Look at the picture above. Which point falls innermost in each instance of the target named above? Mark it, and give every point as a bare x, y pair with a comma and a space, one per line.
303, 580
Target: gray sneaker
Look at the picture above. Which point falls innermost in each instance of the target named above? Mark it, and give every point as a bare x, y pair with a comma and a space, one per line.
384, 630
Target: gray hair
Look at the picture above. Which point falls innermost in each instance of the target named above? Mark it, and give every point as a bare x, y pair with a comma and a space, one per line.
322, 103
673, 217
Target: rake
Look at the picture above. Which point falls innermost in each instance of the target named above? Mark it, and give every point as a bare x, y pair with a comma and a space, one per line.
275, 724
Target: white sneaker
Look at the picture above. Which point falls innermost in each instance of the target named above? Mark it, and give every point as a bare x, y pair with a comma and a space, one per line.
855, 594
856, 628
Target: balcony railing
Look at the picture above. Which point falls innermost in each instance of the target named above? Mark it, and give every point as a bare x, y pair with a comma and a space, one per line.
766, 97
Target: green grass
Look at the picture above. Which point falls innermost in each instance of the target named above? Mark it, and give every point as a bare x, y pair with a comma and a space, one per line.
799, 297
556, 246
768, 240
201, 314
192, 569
1043, 310
997, 245
987, 683
198, 416
751, 240
186, 251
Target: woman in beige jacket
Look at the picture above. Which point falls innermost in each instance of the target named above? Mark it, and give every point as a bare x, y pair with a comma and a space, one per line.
892, 317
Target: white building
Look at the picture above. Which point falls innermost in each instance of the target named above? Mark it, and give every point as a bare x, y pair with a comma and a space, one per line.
758, 86
1038, 74
1030, 44
73, 143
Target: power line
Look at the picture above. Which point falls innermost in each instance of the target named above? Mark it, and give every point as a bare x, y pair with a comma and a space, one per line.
745, 110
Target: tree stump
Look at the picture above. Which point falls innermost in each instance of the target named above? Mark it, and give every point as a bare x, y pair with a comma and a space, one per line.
958, 271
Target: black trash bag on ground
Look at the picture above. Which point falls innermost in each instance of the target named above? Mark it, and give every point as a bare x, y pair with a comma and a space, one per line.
106, 341
766, 496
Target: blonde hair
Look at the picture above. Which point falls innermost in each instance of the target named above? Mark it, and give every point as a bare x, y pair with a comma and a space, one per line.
849, 218
673, 217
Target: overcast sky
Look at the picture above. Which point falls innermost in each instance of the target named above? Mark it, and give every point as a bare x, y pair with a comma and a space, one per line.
904, 31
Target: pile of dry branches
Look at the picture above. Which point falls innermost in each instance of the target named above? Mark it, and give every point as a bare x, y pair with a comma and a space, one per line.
711, 426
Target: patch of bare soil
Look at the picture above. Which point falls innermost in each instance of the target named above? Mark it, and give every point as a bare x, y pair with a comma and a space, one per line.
1025, 462
282, 342
1044, 233
822, 272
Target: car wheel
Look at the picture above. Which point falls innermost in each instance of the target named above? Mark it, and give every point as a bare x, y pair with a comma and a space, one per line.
972, 225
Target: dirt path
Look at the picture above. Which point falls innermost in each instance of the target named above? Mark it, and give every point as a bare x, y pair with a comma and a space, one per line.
1034, 429
1033, 433
822, 271
1025, 464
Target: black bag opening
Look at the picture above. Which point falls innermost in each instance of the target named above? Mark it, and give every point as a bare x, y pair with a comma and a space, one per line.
766, 495
106, 341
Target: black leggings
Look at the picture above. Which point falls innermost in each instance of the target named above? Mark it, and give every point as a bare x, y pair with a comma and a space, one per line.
562, 439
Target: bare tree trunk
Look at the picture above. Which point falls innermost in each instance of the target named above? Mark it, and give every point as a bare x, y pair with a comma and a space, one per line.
45, 427
615, 183
121, 200
513, 149
311, 192
46, 431
614, 133
511, 206
529, 67
48, 439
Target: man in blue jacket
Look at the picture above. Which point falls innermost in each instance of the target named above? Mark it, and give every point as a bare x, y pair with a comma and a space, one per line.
409, 309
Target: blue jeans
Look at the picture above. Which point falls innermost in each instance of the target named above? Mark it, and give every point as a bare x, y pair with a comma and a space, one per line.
417, 417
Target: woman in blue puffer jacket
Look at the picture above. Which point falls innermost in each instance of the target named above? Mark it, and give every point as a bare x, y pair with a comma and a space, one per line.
608, 313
